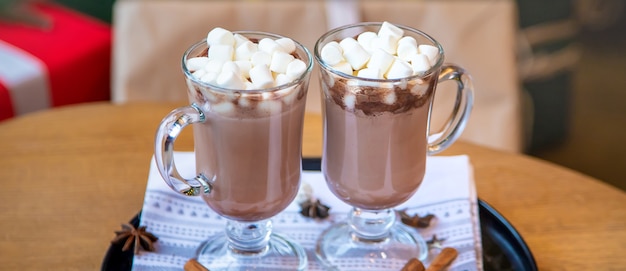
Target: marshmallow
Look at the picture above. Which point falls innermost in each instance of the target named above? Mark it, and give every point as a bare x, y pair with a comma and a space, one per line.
261, 58
390, 97
244, 67
388, 37
295, 68
270, 106
224, 108
287, 44
332, 53
344, 67
269, 46
239, 40
405, 50
282, 79
371, 73
220, 36
380, 60
349, 100
231, 80
234, 68
367, 39
354, 53
196, 63
279, 62
214, 65
261, 76
244, 101
408, 40
245, 50
209, 77
199, 73
419, 63
399, 69
431, 51
221, 52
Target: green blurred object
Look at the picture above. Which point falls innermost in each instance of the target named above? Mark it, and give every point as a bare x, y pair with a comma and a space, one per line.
550, 93
100, 9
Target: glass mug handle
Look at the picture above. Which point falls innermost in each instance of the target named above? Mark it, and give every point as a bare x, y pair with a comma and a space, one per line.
461, 111
169, 129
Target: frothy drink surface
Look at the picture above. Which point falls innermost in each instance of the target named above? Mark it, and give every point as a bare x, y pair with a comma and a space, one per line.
256, 160
375, 151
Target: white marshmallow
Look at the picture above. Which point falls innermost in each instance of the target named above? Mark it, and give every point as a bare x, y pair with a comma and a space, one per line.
390, 97
269, 46
220, 36
291, 95
366, 39
354, 53
239, 40
288, 45
261, 58
419, 63
371, 73
234, 68
381, 60
261, 77
199, 73
229, 79
221, 52
270, 106
332, 53
225, 108
431, 51
214, 65
399, 69
245, 50
295, 68
388, 37
244, 68
409, 40
405, 50
209, 77
349, 100
196, 63
279, 62
344, 67
282, 79
243, 101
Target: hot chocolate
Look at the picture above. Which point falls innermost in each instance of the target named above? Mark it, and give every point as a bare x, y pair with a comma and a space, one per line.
254, 152
375, 150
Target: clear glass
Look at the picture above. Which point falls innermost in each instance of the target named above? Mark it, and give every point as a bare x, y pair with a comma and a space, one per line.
376, 140
248, 162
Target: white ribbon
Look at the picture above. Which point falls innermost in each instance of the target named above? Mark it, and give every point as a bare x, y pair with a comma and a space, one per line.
26, 78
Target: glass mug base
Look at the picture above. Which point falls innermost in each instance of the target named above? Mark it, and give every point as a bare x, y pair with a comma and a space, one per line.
338, 248
281, 253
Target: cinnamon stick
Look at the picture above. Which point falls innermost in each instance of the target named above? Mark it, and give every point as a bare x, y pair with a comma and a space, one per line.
194, 265
443, 260
413, 265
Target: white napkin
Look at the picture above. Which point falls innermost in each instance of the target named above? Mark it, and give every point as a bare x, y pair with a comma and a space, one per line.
181, 222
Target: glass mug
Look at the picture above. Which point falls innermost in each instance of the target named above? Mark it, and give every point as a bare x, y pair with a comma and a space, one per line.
247, 147
376, 140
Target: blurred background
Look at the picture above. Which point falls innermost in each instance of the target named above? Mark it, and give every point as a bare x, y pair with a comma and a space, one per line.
572, 68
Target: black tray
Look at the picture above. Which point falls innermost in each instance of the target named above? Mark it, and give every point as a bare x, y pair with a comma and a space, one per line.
503, 247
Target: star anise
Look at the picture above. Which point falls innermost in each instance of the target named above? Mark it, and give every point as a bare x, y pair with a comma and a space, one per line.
314, 209
415, 220
435, 242
138, 237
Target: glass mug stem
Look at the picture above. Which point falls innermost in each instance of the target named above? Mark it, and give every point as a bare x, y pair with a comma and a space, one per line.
371, 226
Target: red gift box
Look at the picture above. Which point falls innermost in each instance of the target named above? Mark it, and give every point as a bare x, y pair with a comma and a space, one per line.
67, 63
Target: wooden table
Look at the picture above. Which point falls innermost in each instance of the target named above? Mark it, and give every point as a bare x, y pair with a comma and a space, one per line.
71, 175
